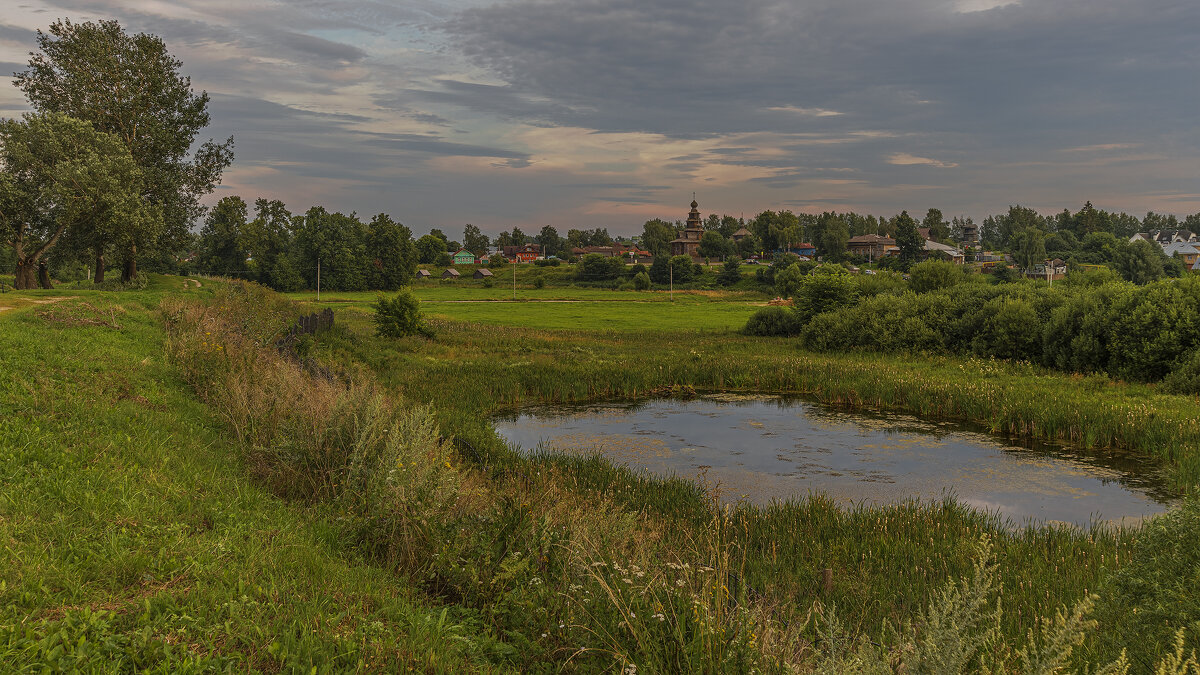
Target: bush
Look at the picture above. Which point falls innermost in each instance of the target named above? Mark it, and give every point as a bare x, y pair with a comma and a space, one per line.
596, 267
1011, 330
684, 269
823, 292
549, 262
641, 281
880, 283
731, 273
773, 321
1184, 378
788, 281
932, 275
399, 316
1156, 594
539, 282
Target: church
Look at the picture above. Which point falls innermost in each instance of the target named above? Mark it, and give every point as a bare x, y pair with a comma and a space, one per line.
689, 242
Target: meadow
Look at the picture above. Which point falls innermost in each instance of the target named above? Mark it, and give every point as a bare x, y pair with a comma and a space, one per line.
569, 308
233, 507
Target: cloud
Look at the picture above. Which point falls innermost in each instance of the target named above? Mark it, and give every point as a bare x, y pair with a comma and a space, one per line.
597, 112
905, 159
805, 112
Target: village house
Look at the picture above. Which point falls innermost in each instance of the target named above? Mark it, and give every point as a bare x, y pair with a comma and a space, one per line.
464, 257
423, 274
483, 273
1188, 251
616, 250
741, 234
803, 250
934, 249
1165, 238
872, 246
450, 273
525, 253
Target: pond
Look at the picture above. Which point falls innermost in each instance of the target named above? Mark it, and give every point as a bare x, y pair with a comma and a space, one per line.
761, 448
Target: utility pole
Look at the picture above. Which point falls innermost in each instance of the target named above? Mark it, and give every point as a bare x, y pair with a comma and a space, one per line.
318, 279
514, 264
671, 270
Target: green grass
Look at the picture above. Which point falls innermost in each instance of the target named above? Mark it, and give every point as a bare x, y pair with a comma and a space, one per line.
134, 540
571, 309
176, 559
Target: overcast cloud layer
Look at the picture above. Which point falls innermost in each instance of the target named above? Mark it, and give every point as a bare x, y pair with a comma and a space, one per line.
603, 113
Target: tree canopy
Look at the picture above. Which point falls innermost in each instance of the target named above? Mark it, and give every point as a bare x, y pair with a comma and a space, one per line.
58, 174
130, 86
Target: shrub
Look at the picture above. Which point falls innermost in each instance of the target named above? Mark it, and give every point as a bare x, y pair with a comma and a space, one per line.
880, 283
823, 292
731, 273
772, 321
683, 268
496, 260
641, 281
1185, 377
932, 275
1011, 330
788, 281
548, 262
399, 316
596, 267
1156, 594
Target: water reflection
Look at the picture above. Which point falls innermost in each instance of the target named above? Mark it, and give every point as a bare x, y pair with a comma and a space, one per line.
763, 448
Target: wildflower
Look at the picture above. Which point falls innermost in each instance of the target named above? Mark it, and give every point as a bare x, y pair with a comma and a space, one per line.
660, 616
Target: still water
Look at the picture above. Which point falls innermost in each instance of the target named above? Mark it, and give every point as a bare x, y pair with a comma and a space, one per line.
761, 448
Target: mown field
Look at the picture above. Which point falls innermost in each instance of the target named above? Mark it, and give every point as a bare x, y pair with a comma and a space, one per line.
571, 308
229, 508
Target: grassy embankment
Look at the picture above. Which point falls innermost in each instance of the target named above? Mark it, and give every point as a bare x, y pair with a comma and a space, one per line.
515, 552
133, 539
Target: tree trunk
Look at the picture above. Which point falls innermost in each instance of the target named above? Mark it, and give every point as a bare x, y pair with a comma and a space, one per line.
129, 271
43, 273
26, 276
99, 278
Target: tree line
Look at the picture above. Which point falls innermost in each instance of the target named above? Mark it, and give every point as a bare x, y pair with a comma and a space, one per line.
1087, 236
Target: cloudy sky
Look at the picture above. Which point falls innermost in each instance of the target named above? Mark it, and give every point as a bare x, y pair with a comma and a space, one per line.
603, 113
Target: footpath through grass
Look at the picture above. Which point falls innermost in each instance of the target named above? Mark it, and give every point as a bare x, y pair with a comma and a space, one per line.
133, 539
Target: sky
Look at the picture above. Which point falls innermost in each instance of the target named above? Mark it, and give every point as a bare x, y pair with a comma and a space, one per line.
605, 113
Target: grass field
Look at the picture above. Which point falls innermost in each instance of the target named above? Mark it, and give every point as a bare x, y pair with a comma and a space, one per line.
573, 309
220, 517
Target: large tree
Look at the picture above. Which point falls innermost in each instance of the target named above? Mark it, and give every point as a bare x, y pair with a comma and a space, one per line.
391, 254
939, 228
1028, 247
833, 235
222, 239
267, 241
656, 237
59, 174
908, 240
549, 240
474, 241
130, 86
